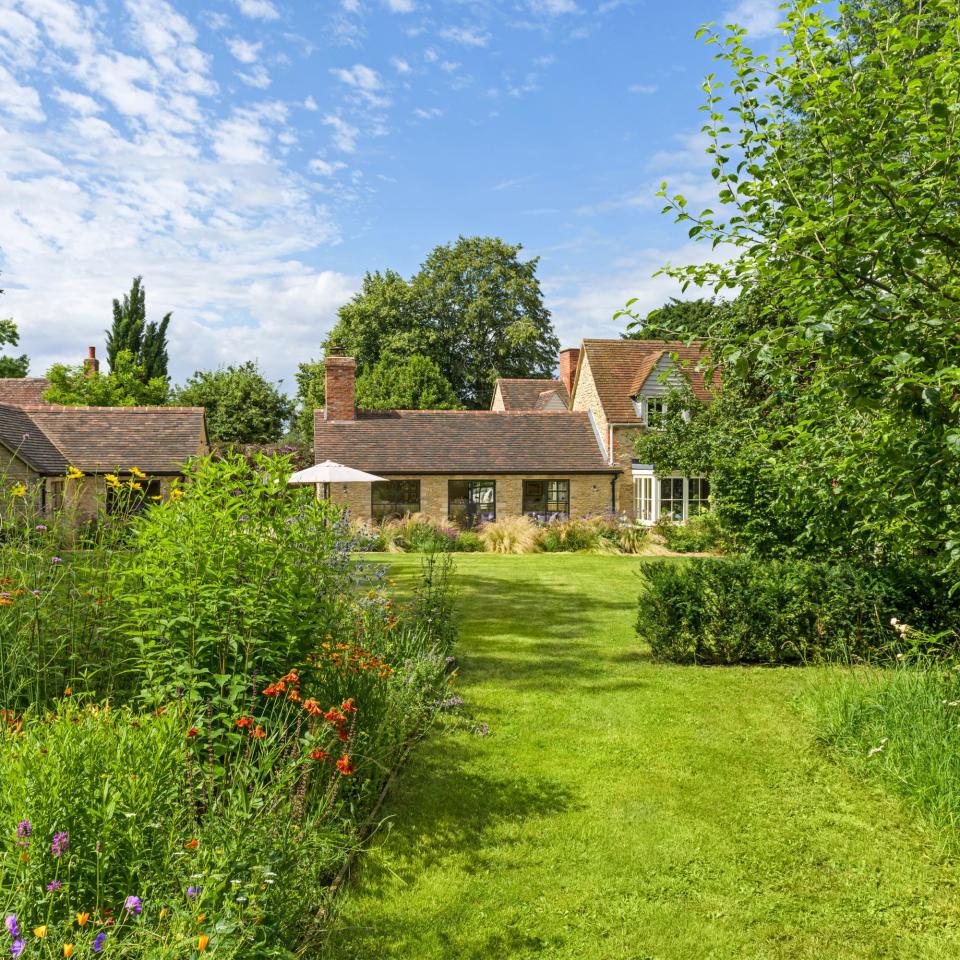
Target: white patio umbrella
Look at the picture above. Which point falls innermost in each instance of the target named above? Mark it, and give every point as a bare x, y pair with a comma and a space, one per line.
330, 472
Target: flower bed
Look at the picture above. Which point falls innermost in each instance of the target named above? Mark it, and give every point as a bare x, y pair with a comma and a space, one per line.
202, 704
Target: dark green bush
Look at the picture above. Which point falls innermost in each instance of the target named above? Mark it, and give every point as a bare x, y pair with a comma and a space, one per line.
725, 610
701, 534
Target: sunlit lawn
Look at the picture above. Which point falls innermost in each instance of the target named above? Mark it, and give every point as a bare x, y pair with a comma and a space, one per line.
625, 809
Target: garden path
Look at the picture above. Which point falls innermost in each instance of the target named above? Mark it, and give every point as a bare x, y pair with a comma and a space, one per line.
621, 809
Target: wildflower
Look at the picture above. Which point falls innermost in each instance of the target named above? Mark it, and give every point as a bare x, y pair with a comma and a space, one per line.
60, 844
73, 473
191, 844
138, 473
193, 732
348, 706
291, 677
258, 733
133, 485
68, 692
133, 905
312, 707
40, 932
56, 560
243, 722
112, 480
294, 696
163, 913
194, 892
176, 494
875, 750
68, 949
41, 527
54, 885
98, 942
19, 490
24, 830
11, 924
319, 754
82, 919
334, 716
202, 941
17, 947
274, 688
345, 765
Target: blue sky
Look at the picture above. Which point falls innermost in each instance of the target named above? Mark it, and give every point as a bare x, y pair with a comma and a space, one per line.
253, 158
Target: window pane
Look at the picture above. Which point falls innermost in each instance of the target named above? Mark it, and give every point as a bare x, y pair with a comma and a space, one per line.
534, 496
472, 501
394, 498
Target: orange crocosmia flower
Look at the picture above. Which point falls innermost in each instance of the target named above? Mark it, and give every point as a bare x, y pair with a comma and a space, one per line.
342, 735
312, 707
291, 677
202, 941
334, 716
258, 733
244, 722
319, 754
82, 918
348, 706
193, 732
191, 844
345, 765
274, 689
294, 696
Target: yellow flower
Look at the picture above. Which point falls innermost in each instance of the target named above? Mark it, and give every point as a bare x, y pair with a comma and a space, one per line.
133, 485
138, 473
73, 473
157, 498
112, 480
163, 913
176, 494
19, 490
202, 941
82, 918
68, 949
40, 932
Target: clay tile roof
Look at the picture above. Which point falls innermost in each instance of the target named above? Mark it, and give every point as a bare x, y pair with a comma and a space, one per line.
22, 437
476, 442
23, 389
101, 439
526, 394
621, 367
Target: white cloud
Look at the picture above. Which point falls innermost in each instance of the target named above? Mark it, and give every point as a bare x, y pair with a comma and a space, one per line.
760, 17
553, 8
450, 66
244, 50
258, 77
310, 104
326, 168
350, 6
645, 89
467, 36
20, 101
79, 102
344, 134
365, 81
257, 9
428, 113
400, 6
431, 55
400, 65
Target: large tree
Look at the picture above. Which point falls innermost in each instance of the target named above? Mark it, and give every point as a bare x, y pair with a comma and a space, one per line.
122, 386
130, 330
688, 315
836, 173
12, 366
412, 382
474, 308
241, 405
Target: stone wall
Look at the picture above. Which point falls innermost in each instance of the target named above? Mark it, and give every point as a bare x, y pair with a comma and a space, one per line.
623, 455
587, 398
588, 493
13, 469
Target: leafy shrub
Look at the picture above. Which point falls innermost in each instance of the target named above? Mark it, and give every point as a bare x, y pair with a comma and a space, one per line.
700, 534
598, 534
740, 610
510, 535
469, 541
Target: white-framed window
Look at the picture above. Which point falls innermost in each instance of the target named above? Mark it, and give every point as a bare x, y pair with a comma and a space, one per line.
651, 410
673, 498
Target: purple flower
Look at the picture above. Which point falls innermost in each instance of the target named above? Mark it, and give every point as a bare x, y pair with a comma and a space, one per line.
194, 892
11, 924
24, 829
36, 593
98, 942
56, 560
17, 947
133, 905
60, 844
54, 885
40, 526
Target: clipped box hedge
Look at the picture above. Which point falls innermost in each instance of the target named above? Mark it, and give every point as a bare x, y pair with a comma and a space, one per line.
724, 610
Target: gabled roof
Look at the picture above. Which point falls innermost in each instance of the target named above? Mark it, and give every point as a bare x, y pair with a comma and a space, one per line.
478, 442
100, 439
529, 394
23, 438
22, 390
621, 367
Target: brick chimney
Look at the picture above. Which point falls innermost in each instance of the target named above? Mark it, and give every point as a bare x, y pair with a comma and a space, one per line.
91, 364
340, 373
569, 359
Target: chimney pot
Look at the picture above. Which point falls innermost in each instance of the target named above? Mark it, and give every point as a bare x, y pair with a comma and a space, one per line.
91, 364
340, 377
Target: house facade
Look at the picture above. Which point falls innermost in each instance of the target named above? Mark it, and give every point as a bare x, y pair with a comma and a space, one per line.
39, 442
546, 448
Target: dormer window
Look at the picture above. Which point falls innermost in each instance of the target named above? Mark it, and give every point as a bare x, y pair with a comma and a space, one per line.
651, 411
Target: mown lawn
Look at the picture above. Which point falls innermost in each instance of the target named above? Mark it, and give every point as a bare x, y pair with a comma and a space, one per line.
625, 809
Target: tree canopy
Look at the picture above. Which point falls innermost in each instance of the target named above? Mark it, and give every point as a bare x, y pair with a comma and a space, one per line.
12, 366
413, 382
241, 405
130, 331
123, 386
675, 314
474, 310
835, 165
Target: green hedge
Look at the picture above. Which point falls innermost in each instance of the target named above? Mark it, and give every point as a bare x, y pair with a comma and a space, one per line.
724, 610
